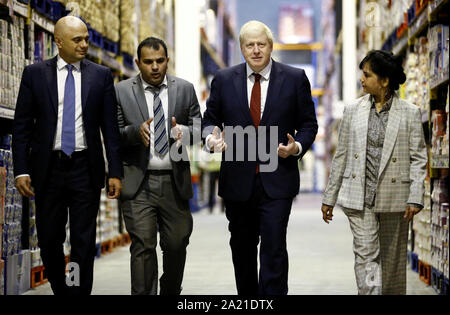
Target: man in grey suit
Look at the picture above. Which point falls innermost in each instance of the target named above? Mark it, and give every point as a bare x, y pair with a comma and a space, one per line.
156, 186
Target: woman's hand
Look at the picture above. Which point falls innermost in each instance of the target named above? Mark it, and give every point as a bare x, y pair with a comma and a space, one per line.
327, 213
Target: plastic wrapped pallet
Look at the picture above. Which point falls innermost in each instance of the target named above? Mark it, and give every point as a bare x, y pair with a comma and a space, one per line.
110, 10
18, 273
2, 194
128, 28
2, 277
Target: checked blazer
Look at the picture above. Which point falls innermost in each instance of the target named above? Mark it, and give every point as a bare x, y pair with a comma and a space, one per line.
403, 162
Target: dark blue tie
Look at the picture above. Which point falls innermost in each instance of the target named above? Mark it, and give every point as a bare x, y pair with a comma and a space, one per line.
68, 121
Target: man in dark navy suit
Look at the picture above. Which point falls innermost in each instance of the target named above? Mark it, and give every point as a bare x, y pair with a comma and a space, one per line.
62, 105
275, 100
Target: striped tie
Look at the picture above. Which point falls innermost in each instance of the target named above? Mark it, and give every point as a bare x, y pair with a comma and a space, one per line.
160, 135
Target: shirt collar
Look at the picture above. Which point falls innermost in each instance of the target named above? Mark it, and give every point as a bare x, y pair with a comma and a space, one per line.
145, 84
61, 63
265, 73
386, 106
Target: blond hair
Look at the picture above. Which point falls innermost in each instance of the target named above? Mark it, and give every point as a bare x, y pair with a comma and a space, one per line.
255, 26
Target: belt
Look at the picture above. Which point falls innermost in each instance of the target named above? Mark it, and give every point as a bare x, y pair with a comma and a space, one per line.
60, 155
160, 172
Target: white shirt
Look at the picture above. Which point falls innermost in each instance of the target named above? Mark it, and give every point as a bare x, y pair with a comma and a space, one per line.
62, 72
156, 161
264, 82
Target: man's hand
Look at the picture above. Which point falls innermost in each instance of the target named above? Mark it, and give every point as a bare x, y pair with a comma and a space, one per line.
114, 188
327, 213
144, 131
217, 141
411, 212
176, 132
287, 150
23, 185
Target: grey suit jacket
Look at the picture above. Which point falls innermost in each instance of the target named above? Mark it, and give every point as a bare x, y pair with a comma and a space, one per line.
133, 111
403, 162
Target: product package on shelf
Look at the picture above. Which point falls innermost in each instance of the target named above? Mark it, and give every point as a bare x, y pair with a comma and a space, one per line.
44, 46
35, 252
439, 53
110, 11
108, 219
128, 27
2, 193
12, 60
438, 135
422, 229
18, 273
2, 277
439, 222
417, 88
11, 202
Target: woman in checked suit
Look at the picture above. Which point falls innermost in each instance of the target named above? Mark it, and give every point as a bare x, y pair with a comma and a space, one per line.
377, 175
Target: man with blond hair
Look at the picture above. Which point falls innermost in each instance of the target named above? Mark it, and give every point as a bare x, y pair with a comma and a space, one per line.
273, 100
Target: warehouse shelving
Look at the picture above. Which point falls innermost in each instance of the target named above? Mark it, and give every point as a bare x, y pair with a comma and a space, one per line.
428, 243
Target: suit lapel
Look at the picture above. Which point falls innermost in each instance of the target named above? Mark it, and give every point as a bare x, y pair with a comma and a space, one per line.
240, 86
363, 124
139, 94
391, 134
172, 92
85, 82
275, 84
52, 80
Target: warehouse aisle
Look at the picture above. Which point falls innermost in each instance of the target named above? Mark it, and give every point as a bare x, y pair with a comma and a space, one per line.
321, 258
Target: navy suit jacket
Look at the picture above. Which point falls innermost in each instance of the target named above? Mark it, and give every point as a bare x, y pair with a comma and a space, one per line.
288, 106
36, 116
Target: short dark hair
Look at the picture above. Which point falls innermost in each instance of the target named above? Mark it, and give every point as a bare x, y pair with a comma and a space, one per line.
151, 42
386, 65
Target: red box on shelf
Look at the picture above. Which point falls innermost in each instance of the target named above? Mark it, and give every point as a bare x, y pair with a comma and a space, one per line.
420, 5
403, 27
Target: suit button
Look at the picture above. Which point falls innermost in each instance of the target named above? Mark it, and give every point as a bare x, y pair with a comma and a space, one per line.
353, 175
394, 180
394, 160
356, 156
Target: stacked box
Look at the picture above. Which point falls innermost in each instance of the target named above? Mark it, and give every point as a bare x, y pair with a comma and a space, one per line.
35, 257
438, 133
422, 229
108, 219
44, 46
145, 30
439, 47
440, 226
18, 273
11, 202
128, 27
12, 60
2, 193
417, 85
2, 277
111, 10
444, 141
